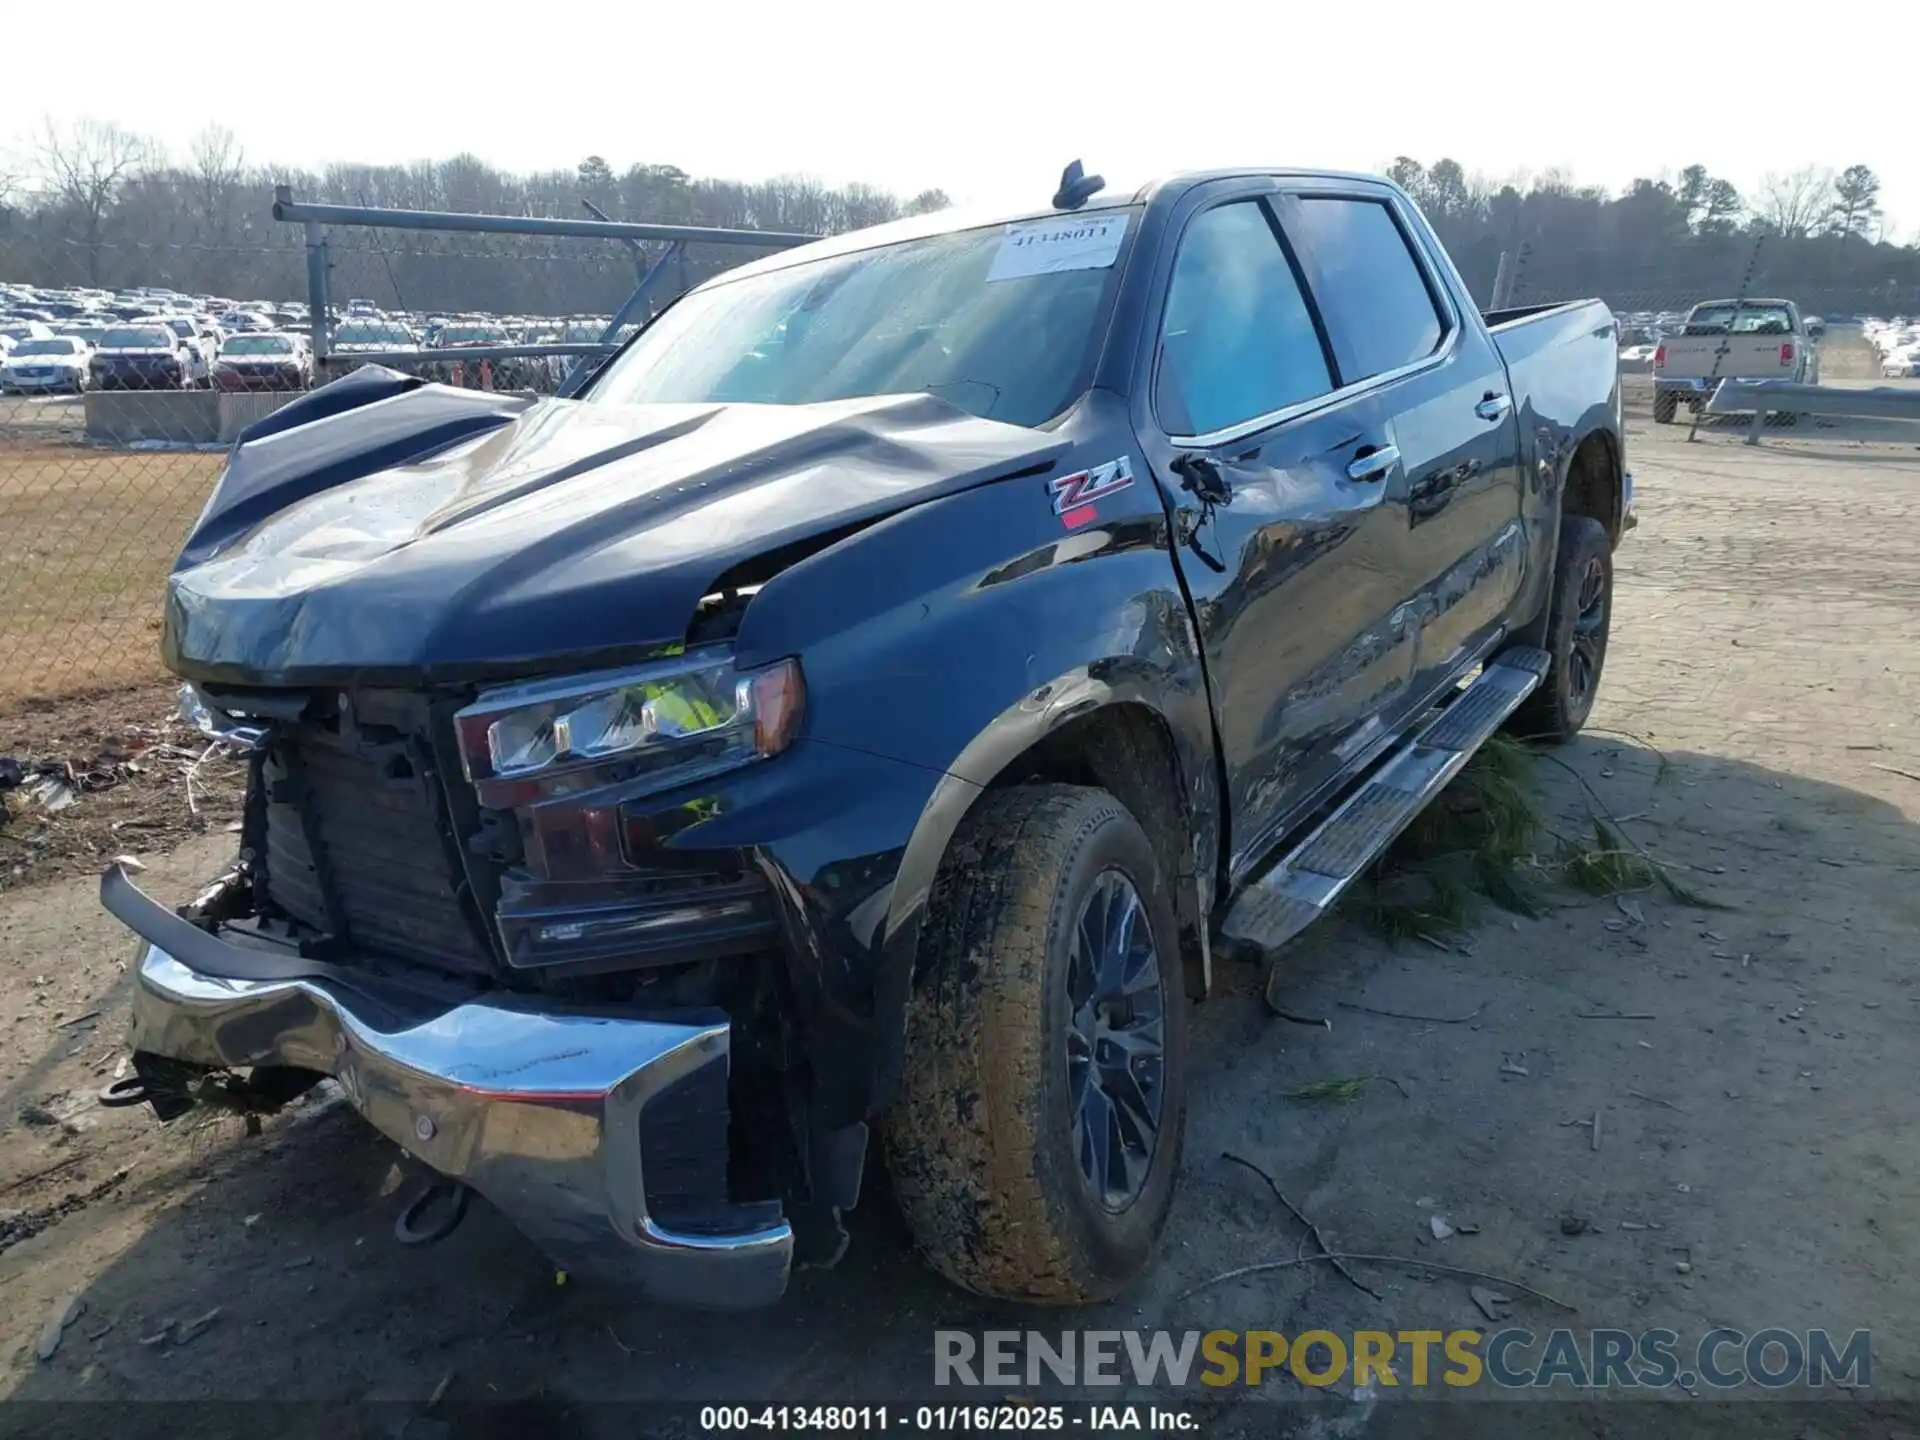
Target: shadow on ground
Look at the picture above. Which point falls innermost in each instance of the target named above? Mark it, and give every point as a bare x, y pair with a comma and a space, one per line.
1747, 1124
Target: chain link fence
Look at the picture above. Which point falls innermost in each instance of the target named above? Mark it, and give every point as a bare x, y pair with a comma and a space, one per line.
103, 469
114, 421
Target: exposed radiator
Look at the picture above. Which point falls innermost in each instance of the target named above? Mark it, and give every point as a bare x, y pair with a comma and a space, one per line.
358, 845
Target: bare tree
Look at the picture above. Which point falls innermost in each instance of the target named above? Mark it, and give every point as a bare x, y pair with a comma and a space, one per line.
85, 165
218, 165
1797, 203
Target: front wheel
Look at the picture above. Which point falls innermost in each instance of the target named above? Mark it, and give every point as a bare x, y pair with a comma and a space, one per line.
1579, 618
1037, 1137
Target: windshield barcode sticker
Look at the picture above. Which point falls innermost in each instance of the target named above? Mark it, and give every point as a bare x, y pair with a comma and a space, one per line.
1069, 242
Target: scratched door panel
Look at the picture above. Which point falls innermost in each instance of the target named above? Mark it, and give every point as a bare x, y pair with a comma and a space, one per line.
1302, 625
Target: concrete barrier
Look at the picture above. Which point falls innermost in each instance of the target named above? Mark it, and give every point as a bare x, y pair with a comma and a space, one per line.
243, 407
182, 417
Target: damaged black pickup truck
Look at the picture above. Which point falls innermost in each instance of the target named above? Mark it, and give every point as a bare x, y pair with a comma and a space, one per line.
873, 699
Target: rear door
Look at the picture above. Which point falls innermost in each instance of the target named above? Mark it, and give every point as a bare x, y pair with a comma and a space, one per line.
1434, 382
1288, 503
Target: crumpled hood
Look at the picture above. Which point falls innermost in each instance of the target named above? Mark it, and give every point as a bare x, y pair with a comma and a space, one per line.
380, 529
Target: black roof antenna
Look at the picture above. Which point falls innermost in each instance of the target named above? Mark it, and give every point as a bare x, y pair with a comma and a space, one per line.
1076, 187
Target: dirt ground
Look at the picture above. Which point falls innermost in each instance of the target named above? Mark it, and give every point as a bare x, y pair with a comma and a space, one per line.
1750, 1069
139, 780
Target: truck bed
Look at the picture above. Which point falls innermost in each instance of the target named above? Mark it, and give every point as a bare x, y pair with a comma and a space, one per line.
1560, 357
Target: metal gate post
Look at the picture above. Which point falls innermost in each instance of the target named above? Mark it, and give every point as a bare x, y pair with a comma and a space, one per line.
317, 266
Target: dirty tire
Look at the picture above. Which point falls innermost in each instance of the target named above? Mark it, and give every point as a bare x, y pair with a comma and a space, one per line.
1664, 408
1560, 705
981, 1146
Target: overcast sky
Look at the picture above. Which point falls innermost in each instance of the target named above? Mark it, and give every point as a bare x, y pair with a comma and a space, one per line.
988, 99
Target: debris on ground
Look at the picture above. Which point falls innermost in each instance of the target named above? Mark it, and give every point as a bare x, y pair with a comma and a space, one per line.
1492, 1303
51, 788
188, 1331
1339, 1090
19, 1225
65, 1312
88, 777
1441, 1229
1313, 1229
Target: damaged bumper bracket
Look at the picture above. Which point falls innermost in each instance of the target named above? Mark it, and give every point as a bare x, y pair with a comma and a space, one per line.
538, 1110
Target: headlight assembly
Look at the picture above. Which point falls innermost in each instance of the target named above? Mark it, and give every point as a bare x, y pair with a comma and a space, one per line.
661, 725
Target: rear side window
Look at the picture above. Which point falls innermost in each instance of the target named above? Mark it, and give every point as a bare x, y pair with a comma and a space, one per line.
1379, 312
1238, 340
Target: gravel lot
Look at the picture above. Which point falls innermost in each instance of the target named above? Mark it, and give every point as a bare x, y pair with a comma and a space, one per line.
1756, 1163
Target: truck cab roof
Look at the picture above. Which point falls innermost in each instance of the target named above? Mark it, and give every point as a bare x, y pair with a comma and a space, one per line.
951, 221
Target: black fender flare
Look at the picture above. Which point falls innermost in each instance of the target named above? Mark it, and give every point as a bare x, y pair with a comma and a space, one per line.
1544, 520
1046, 710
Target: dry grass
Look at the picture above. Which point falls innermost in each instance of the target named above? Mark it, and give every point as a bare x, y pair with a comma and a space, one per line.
1475, 842
86, 537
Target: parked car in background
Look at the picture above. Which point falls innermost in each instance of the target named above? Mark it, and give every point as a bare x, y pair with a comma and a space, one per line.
14, 331
264, 362
46, 366
372, 335
520, 372
1901, 365
144, 357
1731, 340
202, 343
244, 322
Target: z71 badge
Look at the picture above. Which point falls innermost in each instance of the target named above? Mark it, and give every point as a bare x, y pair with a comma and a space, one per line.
1074, 496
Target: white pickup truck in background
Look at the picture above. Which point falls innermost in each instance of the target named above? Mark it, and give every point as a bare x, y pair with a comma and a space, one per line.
1732, 340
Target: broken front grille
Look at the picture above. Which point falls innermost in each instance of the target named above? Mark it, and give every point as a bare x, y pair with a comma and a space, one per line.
358, 841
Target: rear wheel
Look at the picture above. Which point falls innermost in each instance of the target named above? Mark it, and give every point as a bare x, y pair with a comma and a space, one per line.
1664, 407
1579, 617
1037, 1138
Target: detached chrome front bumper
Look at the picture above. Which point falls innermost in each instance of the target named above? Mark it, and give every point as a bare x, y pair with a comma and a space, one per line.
540, 1110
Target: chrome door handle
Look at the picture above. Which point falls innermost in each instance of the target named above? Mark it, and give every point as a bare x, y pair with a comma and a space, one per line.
1375, 465
1493, 407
